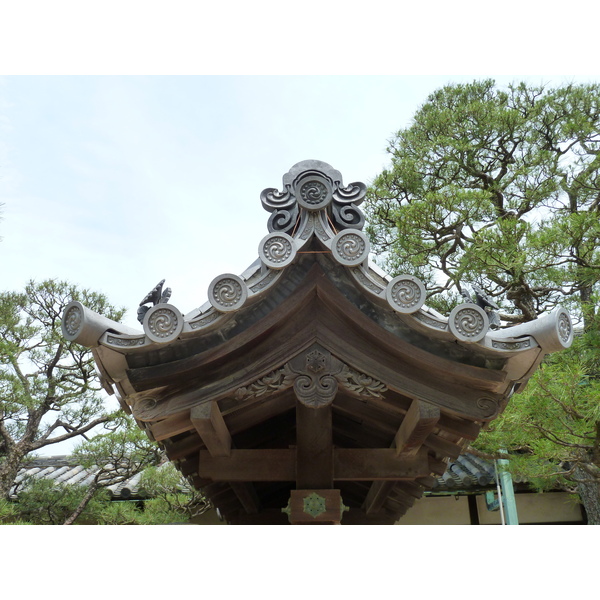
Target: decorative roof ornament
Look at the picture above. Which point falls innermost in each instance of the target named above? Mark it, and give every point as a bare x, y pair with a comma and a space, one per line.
156, 296
314, 186
486, 303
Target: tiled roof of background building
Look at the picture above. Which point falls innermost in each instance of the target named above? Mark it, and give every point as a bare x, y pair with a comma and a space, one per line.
65, 470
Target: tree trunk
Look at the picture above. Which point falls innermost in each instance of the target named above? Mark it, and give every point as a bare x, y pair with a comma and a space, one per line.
9, 469
588, 307
589, 492
84, 502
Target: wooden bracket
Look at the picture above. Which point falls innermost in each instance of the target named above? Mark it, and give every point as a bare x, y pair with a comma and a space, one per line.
209, 423
420, 420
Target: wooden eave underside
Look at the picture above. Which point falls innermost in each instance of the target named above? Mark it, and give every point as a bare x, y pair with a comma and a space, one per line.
270, 423
317, 311
364, 426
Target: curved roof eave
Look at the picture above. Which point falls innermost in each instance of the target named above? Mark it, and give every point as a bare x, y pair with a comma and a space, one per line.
315, 219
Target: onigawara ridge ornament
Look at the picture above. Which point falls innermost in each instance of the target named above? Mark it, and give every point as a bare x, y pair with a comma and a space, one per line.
313, 369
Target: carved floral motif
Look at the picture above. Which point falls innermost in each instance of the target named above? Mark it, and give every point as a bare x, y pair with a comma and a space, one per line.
361, 384
315, 391
269, 384
315, 377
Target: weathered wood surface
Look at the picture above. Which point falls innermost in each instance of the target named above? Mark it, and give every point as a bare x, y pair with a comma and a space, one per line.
215, 398
249, 465
443, 447
419, 422
314, 447
208, 422
321, 313
182, 448
171, 426
370, 464
436, 466
349, 464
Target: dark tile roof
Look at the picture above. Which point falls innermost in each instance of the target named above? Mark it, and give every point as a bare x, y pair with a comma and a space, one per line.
65, 470
466, 473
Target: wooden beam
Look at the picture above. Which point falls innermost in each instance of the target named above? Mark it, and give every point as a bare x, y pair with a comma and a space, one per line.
437, 466
183, 448
349, 464
373, 464
419, 422
209, 423
249, 465
405, 491
166, 428
314, 447
443, 447
460, 427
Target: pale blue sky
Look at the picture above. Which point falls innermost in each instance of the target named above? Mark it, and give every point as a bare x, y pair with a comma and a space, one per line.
114, 183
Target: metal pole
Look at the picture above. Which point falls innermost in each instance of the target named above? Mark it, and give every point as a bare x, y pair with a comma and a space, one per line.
508, 493
499, 488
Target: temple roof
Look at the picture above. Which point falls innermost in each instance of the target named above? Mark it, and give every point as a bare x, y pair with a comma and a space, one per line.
314, 342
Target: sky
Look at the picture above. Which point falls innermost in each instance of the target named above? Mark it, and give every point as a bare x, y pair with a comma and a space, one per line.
116, 182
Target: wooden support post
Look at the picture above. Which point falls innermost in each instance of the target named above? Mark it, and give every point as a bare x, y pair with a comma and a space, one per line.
419, 422
314, 447
209, 423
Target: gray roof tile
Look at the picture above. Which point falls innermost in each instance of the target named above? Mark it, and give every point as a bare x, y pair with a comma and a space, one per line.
64, 470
